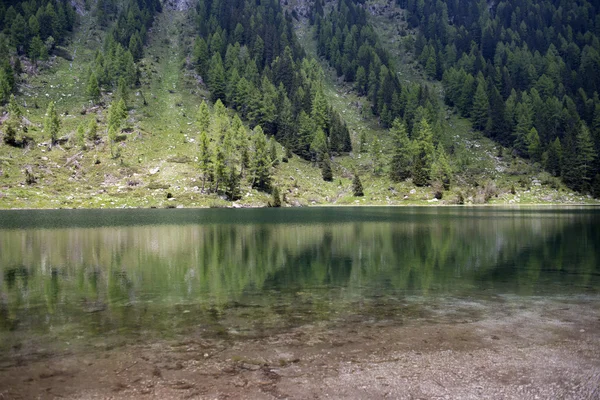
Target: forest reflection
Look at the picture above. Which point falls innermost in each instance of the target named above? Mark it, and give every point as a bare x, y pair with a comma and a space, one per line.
165, 279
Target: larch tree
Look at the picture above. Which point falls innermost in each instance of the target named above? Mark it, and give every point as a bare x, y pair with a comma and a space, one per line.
402, 156
52, 123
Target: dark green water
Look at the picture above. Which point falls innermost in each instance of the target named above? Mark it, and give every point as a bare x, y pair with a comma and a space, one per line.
97, 277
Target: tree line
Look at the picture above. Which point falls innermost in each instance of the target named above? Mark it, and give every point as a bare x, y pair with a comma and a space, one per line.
250, 59
352, 47
525, 72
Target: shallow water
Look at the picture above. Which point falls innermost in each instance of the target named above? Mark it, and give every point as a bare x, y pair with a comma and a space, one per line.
74, 279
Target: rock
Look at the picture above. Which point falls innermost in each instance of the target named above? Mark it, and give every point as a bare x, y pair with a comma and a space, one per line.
154, 171
413, 191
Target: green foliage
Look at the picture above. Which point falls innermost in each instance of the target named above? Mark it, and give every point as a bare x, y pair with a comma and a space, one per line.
117, 112
275, 197
326, 171
12, 126
203, 117
52, 123
92, 129
357, 187
232, 190
441, 170
424, 154
514, 67
204, 157
93, 89
534, 148
80, 136
261, 165
318, 145
402, 156
479, 113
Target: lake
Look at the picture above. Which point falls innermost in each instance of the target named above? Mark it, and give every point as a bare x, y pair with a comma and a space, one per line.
74, 280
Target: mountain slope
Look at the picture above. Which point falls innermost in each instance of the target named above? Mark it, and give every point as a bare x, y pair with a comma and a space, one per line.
157, 163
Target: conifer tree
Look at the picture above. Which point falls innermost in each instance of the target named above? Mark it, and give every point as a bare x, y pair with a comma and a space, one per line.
440, 170
203, 117
261, 165
204, 158
92, 130
112, 139
357, 187
553, 159
80, 136
52, 123
219, 168
534, 147
93, 89
479, 113
424, 154
13, 123
402, 157
216, 78
585, 156
233, 184
276, 197
326, 171
318, 146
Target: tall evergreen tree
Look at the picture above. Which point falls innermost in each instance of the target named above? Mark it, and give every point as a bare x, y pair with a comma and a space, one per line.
261, 165
424, 154
52, 123
402, 156
479, 113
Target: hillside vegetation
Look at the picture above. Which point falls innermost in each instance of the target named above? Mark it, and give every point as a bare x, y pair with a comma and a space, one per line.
221, 103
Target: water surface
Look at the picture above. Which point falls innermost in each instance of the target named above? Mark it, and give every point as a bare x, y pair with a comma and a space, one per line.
72, 279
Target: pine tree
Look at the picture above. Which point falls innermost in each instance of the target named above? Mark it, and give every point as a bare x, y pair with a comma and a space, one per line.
203, 117
596, 187
219, 168
13, 123
440, 170
233, 184
112, 139
585, 155
402, 157
319, 112
92, 130
204, 158
261, 165
216, 78
479, 112
318, 146
553, 159
534, 147
424, 154
93, 89
122, 92
52, 123
276, 197
357, 187
326, 171
80, 136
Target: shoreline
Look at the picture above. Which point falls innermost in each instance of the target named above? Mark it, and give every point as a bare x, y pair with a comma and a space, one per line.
239, 206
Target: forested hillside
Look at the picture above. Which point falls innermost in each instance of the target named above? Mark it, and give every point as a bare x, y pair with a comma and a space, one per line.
196, 103
527, 73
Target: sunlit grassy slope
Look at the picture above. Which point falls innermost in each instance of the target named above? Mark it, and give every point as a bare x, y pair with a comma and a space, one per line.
158, 154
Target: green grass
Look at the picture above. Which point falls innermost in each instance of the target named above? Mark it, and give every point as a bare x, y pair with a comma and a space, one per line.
158, 154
